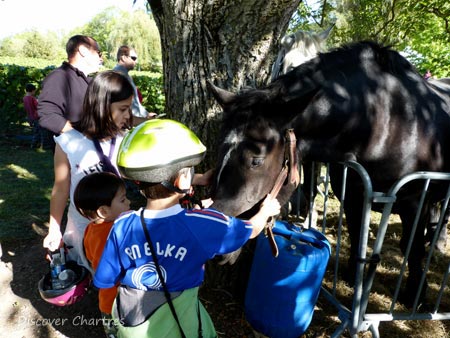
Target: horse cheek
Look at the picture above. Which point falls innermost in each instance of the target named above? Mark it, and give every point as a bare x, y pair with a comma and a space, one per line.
256, 187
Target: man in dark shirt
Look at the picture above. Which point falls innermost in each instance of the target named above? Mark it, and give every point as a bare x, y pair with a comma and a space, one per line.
62, 94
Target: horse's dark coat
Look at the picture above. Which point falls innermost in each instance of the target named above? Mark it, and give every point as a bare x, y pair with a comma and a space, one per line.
363, 102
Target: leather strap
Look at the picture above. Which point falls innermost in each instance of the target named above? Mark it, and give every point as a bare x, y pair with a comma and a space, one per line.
290, 167
106, 160
163, 282
161, 277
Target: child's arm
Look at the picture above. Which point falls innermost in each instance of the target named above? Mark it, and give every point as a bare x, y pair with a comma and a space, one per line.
203, 179
269, 207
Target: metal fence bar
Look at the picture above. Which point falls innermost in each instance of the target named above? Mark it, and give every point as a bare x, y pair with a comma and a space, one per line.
441, 289
363, 241
413, 315
357, 319
339, 233
439, 226
408, 250
325, 196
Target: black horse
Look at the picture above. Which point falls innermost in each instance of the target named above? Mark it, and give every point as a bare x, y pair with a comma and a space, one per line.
363, 102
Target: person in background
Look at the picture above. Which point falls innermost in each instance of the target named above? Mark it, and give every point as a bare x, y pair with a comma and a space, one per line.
139, 95
158, 253
63, 90
126, 61
90, 146
30, 104
101, 198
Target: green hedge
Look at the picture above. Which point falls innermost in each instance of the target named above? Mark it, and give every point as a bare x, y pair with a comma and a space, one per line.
13, 79
152, 90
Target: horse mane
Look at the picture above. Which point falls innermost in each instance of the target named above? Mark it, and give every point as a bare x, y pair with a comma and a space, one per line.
309, 77
240, 110
363, 54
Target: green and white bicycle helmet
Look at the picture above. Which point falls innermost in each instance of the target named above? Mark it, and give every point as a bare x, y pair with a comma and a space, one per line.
157, 149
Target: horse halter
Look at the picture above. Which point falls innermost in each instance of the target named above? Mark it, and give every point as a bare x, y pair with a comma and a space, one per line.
289, 174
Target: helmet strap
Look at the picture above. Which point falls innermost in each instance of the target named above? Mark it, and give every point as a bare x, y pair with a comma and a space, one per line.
173, 188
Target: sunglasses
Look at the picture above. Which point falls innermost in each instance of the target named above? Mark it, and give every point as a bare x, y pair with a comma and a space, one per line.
134, 58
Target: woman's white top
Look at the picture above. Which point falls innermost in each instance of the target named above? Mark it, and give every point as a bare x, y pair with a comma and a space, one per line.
83, 160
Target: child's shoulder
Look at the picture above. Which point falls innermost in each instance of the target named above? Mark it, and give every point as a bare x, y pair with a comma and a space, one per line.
126, 222
210, 214
126, 216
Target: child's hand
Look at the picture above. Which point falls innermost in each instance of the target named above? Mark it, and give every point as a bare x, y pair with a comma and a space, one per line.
53, 240
203, 179
270, 206
207, 202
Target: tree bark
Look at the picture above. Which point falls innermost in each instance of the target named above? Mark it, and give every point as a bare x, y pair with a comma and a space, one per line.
231, 43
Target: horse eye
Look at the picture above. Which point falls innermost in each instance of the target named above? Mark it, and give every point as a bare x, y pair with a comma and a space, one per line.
257, 161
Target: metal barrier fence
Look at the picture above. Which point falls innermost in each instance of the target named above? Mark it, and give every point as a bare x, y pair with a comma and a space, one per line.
358, 316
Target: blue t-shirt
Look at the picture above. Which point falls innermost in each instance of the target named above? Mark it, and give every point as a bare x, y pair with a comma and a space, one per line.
183, 239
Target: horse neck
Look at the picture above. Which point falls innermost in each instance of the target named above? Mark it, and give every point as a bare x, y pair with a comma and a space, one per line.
320, 138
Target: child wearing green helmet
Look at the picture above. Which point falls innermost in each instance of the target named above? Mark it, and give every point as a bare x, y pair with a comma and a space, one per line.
158, 253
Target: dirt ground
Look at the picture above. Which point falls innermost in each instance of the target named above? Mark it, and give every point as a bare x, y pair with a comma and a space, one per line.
24, 314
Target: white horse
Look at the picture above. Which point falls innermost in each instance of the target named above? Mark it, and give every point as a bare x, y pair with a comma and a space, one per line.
297, 48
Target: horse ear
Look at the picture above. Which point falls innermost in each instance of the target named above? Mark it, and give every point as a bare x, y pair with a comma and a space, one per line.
222, 96
324, 35
287, 41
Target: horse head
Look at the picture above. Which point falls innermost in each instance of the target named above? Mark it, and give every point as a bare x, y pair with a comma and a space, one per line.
297, 48
253, 150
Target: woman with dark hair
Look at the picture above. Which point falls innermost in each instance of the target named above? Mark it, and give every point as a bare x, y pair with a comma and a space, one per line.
91, 146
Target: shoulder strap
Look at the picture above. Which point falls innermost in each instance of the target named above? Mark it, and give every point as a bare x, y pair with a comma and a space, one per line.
161, 277
106, 160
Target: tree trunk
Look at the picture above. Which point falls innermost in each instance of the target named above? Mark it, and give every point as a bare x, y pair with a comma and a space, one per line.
231, 43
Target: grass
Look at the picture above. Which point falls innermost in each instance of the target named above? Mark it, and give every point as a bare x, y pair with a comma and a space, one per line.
26, 179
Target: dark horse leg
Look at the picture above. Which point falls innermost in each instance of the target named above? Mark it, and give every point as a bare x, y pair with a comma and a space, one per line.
435, 212
407, 212
301, 199
353, 214
353, 205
